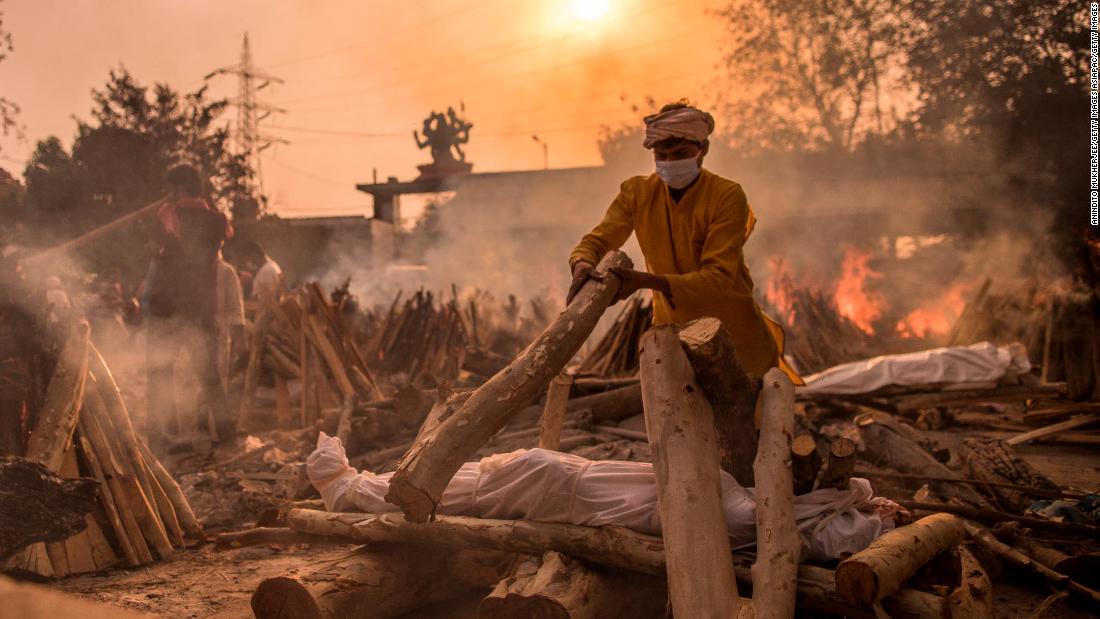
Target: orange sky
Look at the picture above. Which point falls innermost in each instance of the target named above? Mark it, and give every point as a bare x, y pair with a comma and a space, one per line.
361, 75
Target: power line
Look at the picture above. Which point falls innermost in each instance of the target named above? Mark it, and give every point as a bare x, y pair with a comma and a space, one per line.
316, 177
394, 35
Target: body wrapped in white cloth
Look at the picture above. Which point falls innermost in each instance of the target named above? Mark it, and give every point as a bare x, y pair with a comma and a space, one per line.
548, 486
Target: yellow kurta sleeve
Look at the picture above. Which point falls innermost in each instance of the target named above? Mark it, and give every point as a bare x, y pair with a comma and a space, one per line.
612, 232
721, 256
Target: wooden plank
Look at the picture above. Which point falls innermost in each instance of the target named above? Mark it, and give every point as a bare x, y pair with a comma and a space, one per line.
553, 413
1069, 424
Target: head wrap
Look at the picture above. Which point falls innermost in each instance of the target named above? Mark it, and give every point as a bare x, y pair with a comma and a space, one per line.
686, 122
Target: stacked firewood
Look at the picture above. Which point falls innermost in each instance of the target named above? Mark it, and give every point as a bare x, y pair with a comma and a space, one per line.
817, 335
425, 341
304, 336
616, 353
84, 430
1057, 329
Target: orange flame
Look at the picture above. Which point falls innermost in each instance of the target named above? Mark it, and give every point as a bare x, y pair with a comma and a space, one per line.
936, 317
853, 300
778, 290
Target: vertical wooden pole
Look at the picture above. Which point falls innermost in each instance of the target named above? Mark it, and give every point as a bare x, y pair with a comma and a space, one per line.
680, 425
778, 544
553, 414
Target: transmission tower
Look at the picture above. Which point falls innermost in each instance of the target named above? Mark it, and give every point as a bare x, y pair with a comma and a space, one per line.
250, 111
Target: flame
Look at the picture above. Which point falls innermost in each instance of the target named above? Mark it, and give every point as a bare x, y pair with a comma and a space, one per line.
852, 298
778, 291
935, 317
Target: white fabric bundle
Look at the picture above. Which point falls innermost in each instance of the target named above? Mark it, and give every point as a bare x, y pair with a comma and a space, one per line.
549, 486
953, 367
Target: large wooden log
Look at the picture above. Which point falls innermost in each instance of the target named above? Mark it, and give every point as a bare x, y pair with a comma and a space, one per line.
680, 425
778, 544
427, 468
888, 444
731, 392
555, 586
610, 546
383, 580
38, 506
57, 420
879, 570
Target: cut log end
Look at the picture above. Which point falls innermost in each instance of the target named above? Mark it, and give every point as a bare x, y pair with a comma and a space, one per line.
858, 582
284, 598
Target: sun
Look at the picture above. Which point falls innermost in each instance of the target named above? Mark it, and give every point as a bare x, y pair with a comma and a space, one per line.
589, 10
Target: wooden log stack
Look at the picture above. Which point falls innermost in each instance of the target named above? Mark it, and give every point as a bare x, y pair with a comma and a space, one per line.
84, 431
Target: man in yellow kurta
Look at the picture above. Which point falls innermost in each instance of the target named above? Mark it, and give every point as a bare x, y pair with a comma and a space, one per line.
691, 225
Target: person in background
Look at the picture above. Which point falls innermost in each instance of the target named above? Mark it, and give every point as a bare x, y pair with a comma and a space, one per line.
230, 317
267, 281
182, 301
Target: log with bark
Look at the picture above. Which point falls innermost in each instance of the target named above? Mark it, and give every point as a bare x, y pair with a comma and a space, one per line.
805, 463
842, 463
778, 543
53, 430
889, 443
609, 546
427, 468
560, 587
879, 570
382, 580
38, 506
680, 425
731, 391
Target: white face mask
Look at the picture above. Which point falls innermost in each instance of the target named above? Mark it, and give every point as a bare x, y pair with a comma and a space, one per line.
679, 173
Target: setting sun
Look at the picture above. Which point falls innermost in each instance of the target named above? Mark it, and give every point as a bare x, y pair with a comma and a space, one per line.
589, 10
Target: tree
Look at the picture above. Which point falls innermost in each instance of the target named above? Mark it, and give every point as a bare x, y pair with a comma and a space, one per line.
9, 111
120, 157
119, 160
809, 74
1013, 74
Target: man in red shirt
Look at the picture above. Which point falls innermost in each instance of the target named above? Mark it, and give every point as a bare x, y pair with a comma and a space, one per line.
182, 301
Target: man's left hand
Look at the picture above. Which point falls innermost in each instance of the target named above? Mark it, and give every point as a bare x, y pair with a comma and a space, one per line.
633, 281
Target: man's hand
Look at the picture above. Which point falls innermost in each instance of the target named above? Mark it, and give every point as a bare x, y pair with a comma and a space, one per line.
582, 272
633, 281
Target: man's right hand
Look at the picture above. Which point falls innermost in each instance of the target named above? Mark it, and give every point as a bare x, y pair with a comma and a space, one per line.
582, 272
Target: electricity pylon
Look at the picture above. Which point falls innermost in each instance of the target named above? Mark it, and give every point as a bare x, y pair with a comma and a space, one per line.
250, 111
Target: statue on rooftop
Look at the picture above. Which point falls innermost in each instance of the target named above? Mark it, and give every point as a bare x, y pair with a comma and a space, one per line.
442, 133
